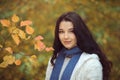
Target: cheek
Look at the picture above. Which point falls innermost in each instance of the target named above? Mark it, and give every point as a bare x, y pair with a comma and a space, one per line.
60, 37
74, 38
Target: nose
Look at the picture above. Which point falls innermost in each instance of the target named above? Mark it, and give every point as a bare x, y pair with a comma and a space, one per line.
66, 35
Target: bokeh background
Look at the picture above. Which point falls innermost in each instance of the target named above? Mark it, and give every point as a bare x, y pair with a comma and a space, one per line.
101, 16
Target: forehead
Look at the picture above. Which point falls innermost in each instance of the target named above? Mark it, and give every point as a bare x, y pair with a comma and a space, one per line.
65, 25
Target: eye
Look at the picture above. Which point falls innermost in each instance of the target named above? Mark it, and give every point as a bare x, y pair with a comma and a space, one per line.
60, 31
71, 30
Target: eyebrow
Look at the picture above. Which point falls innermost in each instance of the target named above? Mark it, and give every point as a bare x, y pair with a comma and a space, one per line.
71, 29
60, 30
68, 29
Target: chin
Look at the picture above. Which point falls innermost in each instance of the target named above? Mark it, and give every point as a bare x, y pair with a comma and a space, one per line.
68, 47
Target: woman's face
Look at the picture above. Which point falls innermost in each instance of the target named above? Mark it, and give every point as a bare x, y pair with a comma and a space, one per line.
66, 34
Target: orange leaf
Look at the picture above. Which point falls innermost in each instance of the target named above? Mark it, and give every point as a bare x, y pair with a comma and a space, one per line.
39, 45
15, 18
29, 30
9, 49
16, 38
49, 49
25, 23
39, 38
5, 22
18, 62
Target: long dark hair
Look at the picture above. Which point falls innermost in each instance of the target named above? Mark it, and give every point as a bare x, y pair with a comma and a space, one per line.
85, 41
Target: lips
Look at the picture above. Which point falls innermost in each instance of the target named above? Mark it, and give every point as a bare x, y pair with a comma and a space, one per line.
67, 42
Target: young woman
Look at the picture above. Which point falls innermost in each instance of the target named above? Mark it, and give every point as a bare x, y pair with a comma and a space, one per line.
76, 55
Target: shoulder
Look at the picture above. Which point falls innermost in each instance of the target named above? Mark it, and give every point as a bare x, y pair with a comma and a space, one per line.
89, 56
90, 59
92, 66
48, 70
88, 62
88, 67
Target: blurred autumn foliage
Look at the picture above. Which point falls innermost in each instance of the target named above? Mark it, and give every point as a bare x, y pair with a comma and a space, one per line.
27, 28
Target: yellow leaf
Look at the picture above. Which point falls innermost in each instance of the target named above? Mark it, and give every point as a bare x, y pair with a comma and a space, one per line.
5, 22
34, 56
12, 30
9, 59
28, 37
1, 46
21, 34
34, 62
17, 31
15, 18
3, 65
9, 49
29, 30
25, 23
104, 41
5, 58
18, 62
16, 38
